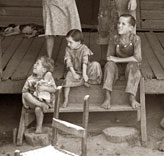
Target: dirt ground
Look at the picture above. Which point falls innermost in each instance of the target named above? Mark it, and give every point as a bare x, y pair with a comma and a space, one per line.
97, 143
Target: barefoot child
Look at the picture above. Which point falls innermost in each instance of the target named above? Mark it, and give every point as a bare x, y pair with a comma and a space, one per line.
124, 54
31, 90
80, 70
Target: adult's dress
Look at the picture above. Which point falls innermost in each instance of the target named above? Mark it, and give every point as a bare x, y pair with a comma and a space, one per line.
60, 16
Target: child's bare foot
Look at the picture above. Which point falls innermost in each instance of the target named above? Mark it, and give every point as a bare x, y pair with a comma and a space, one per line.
38, 130
106, 104
134, 102
86, 84
107, 101
44, 107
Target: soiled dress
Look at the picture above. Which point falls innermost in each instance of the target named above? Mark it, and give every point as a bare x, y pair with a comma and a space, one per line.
131, 70
76, 58
109, 12
60, 16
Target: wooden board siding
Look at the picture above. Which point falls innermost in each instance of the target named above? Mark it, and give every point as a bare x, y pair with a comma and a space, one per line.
152, 14
27, 11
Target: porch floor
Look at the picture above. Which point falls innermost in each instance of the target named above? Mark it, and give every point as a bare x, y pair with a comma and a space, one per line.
19, 54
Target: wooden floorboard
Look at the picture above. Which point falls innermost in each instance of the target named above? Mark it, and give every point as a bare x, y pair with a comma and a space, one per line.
157, 48
153, 62
16, 59
28, 60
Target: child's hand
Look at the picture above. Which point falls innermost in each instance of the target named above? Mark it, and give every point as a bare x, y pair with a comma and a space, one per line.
76, 76
85, 77
111, 58
132, 5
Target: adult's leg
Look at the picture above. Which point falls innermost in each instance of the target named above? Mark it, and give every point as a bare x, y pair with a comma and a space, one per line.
39, 119
110, 76
50, 44
133, 76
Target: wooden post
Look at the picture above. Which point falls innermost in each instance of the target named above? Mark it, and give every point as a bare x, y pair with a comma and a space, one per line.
85, 125
56, 115
0, 58
143, 113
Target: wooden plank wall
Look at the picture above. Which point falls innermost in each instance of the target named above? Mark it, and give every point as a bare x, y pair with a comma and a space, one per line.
30, 11
152, 14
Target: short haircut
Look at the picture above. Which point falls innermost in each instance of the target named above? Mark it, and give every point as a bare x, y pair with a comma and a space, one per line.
47, 63
132, 20
76, 35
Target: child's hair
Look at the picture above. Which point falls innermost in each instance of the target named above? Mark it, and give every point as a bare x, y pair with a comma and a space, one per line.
76, 35
47, 63
132, 20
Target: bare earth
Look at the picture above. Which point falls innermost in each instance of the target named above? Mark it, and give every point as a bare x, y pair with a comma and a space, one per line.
97, 143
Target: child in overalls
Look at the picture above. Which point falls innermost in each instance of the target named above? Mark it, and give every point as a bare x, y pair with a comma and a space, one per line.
80, 70
109, 12
124, 53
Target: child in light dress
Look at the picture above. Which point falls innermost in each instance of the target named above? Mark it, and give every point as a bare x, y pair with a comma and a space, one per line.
80, 70
34, 88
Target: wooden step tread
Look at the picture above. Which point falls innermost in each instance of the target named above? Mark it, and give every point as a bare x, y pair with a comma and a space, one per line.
93, 108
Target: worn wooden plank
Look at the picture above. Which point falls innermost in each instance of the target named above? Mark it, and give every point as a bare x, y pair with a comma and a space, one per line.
154, 86
161, 38
28, 60
29, 3
152, 60
5, 20
11, 50
152, 5
16, 59
145, 67
11, 87
152, 24
152, 14
21, 11
6, 42
68, 127
157, 48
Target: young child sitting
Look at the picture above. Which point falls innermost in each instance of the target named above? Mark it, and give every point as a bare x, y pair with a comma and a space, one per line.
123, 55
80, 70
33, 89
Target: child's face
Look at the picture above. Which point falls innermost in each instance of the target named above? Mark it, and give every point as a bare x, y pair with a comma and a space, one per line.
72, 44
124, 26
38, 68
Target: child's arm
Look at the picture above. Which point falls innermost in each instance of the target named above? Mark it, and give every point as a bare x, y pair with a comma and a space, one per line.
132, 5
135, 58
51, 86
85, 76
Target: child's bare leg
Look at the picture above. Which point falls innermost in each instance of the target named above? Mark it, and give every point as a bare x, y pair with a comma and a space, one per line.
34, 102
107, 100
66, 94
50, 45
39, 119
133, 101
